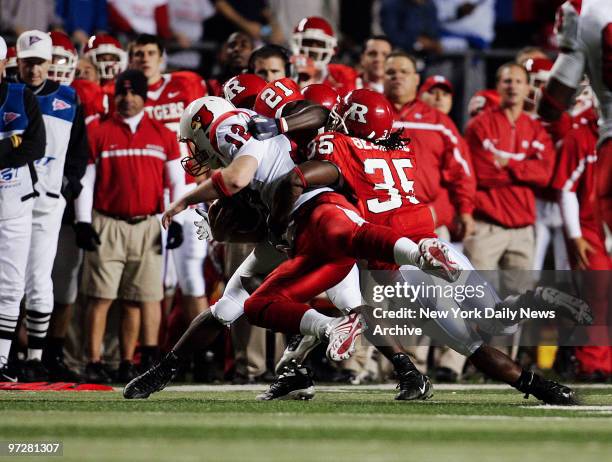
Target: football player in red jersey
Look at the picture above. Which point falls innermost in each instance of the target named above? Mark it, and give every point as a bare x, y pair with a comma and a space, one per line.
314, 38
381, 175
574, 179
167, 97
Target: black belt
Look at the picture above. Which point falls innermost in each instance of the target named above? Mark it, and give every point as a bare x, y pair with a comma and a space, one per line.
129, 220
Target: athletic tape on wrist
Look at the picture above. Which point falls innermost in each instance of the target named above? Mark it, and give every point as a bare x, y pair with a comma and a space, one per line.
282, 125
219, 184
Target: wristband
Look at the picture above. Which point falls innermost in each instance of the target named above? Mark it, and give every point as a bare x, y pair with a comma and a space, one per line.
219, 184
300, 175
282, 125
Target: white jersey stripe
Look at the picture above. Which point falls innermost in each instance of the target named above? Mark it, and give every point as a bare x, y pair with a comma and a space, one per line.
445, 131
133, 152
578, 171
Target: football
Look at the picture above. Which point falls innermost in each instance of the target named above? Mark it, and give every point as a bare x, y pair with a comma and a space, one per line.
240, 218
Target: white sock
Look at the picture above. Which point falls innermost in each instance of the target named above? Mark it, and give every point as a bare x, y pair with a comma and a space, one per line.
406, 252
5, 349
314, 323
34, 353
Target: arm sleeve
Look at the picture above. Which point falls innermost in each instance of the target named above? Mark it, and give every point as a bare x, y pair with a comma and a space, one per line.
34, 138
77, 155
83, 205
458, 171
537, 168
488, 173
570, 212
567, 173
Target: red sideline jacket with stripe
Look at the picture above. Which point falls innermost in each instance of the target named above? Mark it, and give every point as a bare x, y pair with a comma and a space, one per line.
130, 168
443, 158
505, 194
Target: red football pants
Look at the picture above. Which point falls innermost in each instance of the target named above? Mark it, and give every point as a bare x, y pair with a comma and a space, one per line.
330, 235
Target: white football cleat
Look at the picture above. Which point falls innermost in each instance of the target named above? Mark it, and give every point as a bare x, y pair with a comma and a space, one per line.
342, 334
435, 260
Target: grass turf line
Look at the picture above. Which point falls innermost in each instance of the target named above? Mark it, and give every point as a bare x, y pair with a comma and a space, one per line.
455, 425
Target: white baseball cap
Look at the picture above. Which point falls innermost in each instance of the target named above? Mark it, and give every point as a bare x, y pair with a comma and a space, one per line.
2, 48
34, 44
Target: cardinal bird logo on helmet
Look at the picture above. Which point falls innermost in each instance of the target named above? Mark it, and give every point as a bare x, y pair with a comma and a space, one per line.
202, 119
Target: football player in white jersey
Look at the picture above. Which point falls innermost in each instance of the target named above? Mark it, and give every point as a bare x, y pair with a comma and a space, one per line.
584, 33
218, 134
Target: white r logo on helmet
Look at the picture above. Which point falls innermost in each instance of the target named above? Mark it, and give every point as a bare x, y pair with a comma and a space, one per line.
357, 112
232, 89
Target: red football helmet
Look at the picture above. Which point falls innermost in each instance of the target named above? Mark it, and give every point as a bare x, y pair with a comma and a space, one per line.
366, 114
107, 55
314, 37
242, 90
322, 94
482, 100
273, 97
538, 70
64, 62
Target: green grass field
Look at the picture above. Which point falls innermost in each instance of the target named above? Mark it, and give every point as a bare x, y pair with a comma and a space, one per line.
340, 424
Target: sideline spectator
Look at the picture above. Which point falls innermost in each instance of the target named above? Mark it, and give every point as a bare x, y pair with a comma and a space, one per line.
18, 16
512, 153
373, 56
82, 18
411, 25
132, 157
186, 22
140, 17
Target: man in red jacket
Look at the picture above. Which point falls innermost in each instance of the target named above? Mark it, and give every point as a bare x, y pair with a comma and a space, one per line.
441, 154
132, 157
512, 153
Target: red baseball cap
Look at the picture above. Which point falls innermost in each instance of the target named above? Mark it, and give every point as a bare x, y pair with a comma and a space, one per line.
436, 81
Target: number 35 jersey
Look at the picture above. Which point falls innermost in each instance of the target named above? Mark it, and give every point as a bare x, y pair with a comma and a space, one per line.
230, 137
381, 181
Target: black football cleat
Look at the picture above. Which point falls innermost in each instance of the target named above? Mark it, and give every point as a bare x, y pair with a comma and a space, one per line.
96, 372
33, 370
548, 391
412, 384
153, 380
295, 382
59, 370
571, 307
8, 374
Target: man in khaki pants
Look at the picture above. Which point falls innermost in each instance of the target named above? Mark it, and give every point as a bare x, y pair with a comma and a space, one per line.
512, 154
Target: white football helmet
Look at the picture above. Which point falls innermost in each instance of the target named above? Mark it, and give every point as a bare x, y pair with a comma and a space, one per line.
64, 62
195, 125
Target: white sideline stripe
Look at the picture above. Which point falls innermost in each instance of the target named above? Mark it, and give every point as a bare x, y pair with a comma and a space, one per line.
445, 131
359, 388
546, 407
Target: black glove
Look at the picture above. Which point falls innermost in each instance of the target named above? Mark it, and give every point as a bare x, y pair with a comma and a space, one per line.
175, 235
263, 128
86, 236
